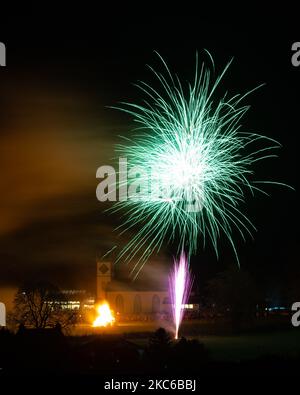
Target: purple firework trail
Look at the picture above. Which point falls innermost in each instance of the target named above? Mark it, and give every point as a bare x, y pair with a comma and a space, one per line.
180, 284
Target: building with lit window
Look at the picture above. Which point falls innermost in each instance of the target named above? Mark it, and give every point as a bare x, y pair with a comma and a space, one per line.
74, 299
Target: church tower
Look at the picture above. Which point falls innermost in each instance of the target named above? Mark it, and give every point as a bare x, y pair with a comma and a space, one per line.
104, 277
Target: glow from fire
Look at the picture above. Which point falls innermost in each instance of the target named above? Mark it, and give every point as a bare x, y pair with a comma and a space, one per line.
105, 315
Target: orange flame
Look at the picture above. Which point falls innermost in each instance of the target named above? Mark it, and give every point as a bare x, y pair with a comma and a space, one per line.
105, 315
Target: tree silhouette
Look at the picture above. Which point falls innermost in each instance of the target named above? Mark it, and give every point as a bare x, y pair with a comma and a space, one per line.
160, 340
188, 355
39, 305
158, 352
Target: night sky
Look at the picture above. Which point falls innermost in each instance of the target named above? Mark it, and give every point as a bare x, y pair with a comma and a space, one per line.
56, 129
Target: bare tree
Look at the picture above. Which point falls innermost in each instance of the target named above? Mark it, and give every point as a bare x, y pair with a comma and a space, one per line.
40, 305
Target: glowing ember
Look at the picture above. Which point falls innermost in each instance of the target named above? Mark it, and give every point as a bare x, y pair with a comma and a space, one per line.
105, 316
180, 287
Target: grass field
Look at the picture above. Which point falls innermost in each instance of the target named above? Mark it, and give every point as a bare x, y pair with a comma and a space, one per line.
245, 347
283, 342
237, 348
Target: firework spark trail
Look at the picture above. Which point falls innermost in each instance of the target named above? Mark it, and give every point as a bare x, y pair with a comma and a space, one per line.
180, 284
200, 166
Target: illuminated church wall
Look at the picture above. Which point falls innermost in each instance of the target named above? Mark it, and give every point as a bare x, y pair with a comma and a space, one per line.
124, 300
141, 302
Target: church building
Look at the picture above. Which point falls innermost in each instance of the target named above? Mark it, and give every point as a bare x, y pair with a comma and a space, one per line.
129, 298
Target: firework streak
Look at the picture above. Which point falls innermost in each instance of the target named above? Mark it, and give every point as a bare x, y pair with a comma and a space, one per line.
190, 146
180, 284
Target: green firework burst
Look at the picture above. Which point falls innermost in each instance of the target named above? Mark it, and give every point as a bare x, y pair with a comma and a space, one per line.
198, 160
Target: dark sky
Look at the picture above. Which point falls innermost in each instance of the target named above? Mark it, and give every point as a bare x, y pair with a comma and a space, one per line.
56, 130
